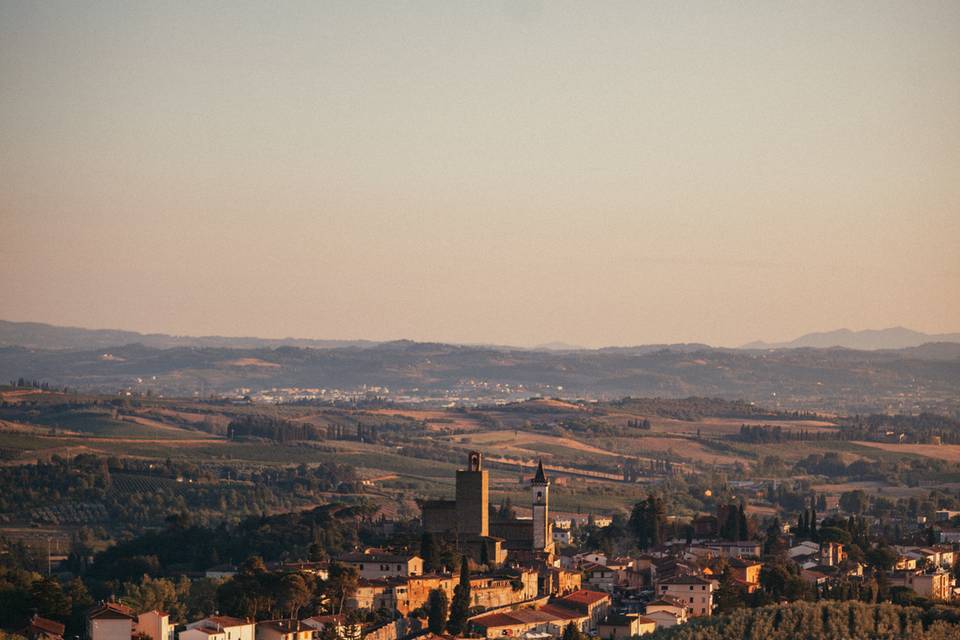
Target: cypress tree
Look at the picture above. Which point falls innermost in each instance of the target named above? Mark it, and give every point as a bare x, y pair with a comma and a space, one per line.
460, 607
437, 611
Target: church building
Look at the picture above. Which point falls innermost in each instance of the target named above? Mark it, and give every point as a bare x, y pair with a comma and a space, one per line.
467, 519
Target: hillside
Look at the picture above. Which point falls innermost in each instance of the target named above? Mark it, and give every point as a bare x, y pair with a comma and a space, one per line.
834, 379
37, 335
868, 340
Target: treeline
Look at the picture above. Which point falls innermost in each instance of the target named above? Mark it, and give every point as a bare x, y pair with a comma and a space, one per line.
138, 494
336, 425
827, 620
23, 383
273, 428
766, 434
919, 428
185, 546
695, 408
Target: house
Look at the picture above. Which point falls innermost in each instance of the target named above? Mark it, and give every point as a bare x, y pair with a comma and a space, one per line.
815, 575
590, 557
743, 548
618, 626
548, 619
219, 628
936, 584
929, 556
341, 628
221, 571
949, 535
155, 625
804, 548
593, 604
42, 629
562, 536
110, 621
285, 629
559, 582
746, 572
601, 577
695, 592
319, 569
831, 554
384, 565
666, 612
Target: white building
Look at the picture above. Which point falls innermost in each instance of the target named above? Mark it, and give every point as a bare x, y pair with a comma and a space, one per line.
155, 624
562, 536
110, 621
694, 592
219, 628
382, 565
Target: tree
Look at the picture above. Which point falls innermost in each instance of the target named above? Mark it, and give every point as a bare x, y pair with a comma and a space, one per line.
854, 502
437, 611
460, 607
571, 632
882, 557
341, 585
646, 521
730, 529
49, 599
730, 595
294, 594
773, 545
154, 593
742, 521
429, 551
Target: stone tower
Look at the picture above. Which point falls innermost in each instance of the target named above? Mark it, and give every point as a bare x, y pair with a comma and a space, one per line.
542, 536
473, 498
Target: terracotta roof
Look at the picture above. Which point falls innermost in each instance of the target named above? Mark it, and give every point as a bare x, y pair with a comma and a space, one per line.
285, 625
376, 557
562, 613
337, 619
111, 610
43, 625
669, 601
218, 622
740, 563
583, 596
686, 580
547, 613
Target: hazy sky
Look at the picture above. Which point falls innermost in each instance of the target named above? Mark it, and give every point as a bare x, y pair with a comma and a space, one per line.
512, 172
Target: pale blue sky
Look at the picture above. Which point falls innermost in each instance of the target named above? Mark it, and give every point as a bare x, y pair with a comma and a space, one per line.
512, 172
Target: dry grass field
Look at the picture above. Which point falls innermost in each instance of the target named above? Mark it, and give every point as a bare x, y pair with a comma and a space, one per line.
948, 452
436, 420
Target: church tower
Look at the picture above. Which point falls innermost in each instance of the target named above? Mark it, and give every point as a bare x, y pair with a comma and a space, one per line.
542, 530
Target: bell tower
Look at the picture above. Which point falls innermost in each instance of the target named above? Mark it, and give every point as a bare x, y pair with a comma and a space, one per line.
542, 534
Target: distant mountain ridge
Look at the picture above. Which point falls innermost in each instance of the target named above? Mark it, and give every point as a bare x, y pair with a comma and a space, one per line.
866, 340
38, 335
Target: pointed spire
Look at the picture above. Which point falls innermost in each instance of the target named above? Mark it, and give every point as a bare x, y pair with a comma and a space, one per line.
540, 478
